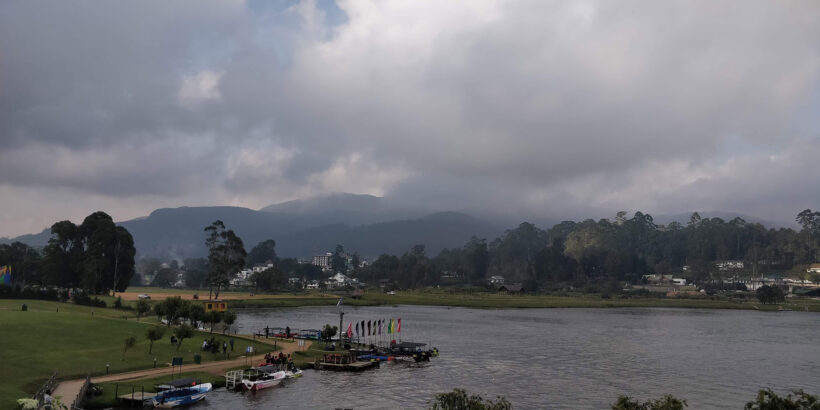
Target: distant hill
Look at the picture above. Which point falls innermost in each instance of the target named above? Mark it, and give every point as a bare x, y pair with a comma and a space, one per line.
366, 224
351, 209
361, 223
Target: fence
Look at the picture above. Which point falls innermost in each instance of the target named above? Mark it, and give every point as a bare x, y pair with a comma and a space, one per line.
48, 385
78, 401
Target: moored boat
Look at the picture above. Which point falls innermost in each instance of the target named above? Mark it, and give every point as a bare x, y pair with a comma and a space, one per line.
181, 396
263, 381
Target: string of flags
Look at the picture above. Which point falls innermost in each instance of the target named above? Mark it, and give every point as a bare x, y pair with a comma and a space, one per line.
374, 327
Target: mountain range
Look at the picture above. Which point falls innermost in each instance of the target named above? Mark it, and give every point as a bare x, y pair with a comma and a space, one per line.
365, 224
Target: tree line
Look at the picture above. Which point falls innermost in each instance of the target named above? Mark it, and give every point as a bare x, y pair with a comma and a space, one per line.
612, 251
97, 256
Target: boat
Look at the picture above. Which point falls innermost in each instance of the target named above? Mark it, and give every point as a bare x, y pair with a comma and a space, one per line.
293, 374
181, 396
263, 381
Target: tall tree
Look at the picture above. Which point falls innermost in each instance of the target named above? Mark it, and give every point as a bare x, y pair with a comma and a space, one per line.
25, 261
263, 252
62, 257
338, 262
226, 255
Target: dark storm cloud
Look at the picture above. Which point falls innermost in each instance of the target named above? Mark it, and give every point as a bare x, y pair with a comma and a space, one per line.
536, 107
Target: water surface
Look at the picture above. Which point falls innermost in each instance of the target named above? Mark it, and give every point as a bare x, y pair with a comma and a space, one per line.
558, 358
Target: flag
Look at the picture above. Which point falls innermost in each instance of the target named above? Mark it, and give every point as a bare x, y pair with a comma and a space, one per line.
398, 325
350, 330
357, 329
362, 327
368, 328
380, 326
390, 326
5, 275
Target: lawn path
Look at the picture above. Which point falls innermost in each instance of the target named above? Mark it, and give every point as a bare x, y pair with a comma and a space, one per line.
66, 391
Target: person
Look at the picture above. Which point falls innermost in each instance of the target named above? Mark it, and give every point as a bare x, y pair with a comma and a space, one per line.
267, 332
224, 348
231, 344
205, 345
47, 400
287, 332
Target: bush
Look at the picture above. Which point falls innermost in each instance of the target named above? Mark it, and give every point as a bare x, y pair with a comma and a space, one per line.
769, 400
459, 400
667, 402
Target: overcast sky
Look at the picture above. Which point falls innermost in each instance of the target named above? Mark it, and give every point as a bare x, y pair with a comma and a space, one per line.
562, 109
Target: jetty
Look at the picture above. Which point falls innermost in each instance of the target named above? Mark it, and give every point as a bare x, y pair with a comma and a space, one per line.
344, 363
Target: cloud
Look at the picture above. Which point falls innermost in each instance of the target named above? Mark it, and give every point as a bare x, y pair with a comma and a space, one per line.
557, 109
204, 86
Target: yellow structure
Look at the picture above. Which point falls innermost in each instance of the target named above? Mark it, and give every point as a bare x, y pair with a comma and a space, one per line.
215, 306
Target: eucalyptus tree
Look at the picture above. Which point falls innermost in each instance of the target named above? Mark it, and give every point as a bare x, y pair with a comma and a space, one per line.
226, 256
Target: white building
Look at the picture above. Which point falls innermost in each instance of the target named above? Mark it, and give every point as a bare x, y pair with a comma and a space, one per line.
314, 284
243, 277
323, 261
496, 280
262, 267
727, 265
814, 268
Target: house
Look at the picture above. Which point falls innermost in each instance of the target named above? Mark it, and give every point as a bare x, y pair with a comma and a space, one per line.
340, 280
679, 281
813, 268
728, 265
512, 289
496, 280
293, 280
313, 284
242, 278
262, 267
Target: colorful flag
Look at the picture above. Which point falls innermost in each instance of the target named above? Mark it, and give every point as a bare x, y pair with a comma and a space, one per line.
380, 326
350, 330
398, 325
390, 327
5, 275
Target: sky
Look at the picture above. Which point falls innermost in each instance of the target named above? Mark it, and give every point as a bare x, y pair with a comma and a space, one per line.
562, 109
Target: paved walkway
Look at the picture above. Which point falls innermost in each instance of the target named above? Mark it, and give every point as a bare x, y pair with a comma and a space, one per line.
68, 390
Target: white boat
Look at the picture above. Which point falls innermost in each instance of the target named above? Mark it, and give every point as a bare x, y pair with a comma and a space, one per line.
263, 381
181, 396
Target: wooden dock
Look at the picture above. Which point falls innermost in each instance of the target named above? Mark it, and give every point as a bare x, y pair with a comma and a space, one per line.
346, 367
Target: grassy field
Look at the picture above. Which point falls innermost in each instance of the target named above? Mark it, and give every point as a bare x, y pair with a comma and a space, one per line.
70, 339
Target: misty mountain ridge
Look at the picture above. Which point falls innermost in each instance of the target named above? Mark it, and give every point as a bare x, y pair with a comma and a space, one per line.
366, 224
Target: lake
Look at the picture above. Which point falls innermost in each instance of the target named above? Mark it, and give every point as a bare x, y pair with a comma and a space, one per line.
557, 358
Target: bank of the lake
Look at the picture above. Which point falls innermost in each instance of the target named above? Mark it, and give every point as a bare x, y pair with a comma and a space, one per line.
504, 301
477, 299
78, 340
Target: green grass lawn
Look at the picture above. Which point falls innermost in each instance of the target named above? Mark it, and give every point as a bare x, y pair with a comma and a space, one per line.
68, 338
